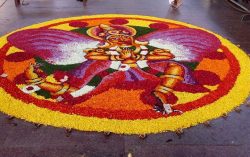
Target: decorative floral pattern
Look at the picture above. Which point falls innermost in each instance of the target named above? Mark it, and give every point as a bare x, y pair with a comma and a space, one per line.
121, 73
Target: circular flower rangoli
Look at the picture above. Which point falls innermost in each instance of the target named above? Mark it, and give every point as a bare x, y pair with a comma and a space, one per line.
120, 73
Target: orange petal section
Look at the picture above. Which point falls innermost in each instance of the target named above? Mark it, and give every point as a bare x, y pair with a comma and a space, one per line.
15, 68
219, 67
116, 99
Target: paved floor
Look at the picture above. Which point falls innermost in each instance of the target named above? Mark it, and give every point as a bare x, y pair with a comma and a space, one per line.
226, 138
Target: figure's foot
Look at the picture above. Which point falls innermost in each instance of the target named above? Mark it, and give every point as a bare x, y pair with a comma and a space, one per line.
166, 109
166, 101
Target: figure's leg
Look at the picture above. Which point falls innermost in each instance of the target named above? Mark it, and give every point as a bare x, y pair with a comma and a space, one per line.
32, 78
173, 74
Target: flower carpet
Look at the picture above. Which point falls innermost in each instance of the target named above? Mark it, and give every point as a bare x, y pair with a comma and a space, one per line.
126, 74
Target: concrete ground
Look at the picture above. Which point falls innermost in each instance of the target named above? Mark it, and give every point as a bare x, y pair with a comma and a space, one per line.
228, 137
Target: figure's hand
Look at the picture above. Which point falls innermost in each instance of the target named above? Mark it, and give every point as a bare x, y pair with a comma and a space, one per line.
161, 52
126, 53
97, 54
96, 51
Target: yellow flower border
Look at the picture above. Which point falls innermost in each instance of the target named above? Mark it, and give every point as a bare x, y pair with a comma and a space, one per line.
32, 113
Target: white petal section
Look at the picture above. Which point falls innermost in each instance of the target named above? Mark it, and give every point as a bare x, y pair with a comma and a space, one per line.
82, 91
59, 99
64, 79
144, 50
113, 53
3, 75
179, 51
167, 108
115, 64
30, 89
142, 64
124, 67
74, 52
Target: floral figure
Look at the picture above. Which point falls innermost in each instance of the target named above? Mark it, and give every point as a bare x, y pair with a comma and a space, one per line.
71, 67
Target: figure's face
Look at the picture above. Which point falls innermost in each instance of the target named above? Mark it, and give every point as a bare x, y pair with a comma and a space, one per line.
120, 39
117, 36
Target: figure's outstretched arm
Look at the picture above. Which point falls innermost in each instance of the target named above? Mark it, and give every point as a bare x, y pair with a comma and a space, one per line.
160, 54
159, 57
100, 54
157, 54
104, 57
